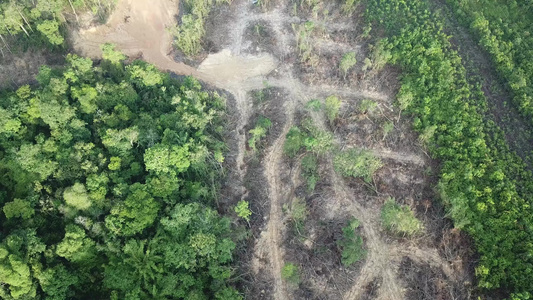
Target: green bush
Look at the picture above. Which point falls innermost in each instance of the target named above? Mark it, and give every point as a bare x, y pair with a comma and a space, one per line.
297, 213
260, 130
291, 273
314, 105
357, 163
294, 141
368, 106
349, 6
317, 140
348, 61
190, 32
399, 219
351, 244
304, 42
310, 171
333, 105
243, 211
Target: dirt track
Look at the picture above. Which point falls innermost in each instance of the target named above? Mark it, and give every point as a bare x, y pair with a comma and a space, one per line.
139, 27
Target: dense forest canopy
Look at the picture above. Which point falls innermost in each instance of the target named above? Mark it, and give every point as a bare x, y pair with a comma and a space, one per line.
107, 175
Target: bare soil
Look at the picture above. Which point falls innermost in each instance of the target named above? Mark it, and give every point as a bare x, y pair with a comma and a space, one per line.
18, 69
256, 49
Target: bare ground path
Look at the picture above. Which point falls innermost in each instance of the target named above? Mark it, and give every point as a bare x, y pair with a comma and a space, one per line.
239, 74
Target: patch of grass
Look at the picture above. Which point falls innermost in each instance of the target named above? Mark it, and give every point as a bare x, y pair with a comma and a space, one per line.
260, 96
304, 42
388, 127
399, 219
349, 6
190, 32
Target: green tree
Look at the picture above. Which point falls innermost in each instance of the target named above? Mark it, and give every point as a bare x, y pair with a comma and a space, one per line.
76, 246
50, 29
57, 282
351, 244
164, 159
109, 53
333, 105
132, 216
18, 208
347, 62
76, 196
243, 211
15, 276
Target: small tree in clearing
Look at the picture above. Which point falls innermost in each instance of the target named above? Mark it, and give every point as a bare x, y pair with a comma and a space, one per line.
348, 61
243, 211
333, 105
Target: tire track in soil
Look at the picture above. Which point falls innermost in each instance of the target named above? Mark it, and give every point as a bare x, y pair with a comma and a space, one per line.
272, 163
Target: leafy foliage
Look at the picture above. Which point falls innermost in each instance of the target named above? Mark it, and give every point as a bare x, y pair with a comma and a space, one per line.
291, 273
399, 218
310, 171
368, 106
314, 105
297, 213
243, 211
357, 163
305, 43
348, 61
108, 177
317, 140
351, 244
294, 141
349, 6
259, 131
332, 107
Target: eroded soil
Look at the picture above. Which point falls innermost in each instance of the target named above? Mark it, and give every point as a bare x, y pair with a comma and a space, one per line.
252, 58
